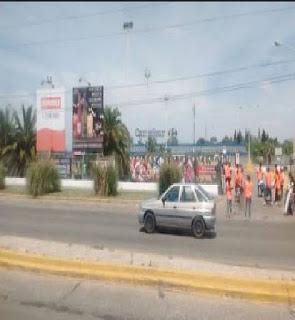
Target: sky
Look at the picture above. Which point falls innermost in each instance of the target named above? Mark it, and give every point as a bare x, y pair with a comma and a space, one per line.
219, 56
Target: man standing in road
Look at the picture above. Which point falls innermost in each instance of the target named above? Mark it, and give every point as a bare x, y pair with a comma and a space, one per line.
229, 198
248, 196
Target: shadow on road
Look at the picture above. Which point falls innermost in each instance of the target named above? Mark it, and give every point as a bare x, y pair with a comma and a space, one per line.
170, 231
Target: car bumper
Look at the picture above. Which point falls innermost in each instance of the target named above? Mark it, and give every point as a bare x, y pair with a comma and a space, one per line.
210, 222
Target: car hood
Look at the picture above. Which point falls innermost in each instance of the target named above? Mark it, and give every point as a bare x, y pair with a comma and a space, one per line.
150, 203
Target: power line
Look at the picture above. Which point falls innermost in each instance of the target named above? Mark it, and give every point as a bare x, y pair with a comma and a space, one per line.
152, 29
204, 75
80, 16
181, 78
224, 89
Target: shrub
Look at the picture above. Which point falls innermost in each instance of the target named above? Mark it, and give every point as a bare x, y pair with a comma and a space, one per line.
42, 177
169, 174
105, 180
3, 172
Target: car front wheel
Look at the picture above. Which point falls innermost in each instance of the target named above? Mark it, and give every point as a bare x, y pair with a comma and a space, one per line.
198, 228
149, 223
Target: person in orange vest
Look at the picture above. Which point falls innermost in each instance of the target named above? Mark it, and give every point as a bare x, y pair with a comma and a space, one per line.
282, 178
238, 180
277, 184
229, 197
227, 172
268, 185
248, 195
259, 176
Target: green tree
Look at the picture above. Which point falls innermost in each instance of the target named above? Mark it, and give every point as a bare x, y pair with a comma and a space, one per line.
172, 141
151, 144
239, 139
117, 139
201, 141
287, 147
20, 148
213, 140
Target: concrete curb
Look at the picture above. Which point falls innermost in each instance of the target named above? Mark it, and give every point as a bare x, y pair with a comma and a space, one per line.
52, 198
273, 291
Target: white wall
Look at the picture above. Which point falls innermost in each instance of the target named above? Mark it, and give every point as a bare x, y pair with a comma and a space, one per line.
122, 186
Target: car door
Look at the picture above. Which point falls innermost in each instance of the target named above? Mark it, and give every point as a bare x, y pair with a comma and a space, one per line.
166, 212
187, 207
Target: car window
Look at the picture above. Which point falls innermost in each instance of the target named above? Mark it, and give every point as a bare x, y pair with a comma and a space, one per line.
200, 196
172, 194
206, 193
187, 194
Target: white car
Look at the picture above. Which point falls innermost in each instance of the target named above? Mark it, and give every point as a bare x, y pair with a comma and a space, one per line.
181, 205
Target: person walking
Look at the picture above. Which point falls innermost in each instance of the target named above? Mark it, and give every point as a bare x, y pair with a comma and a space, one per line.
227, 172
277, 184
259, 176
238, 183
229, 197
248, 196
268, 186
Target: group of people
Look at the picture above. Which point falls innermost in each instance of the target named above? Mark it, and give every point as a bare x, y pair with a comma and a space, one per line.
268, 182
241, 186
280, 183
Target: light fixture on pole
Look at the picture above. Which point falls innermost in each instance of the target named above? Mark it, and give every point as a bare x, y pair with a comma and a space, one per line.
48, 81
82, 79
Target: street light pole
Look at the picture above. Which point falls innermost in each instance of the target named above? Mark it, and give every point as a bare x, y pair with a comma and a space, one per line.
291, 48
127, 26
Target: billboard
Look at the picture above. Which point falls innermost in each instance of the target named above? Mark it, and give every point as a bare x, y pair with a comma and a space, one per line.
51, 120
88, 119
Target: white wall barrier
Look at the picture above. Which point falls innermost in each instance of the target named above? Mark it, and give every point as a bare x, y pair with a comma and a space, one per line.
122, 185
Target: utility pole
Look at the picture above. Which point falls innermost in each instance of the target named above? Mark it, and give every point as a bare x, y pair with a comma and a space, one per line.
166, 98
194, 122
147, 75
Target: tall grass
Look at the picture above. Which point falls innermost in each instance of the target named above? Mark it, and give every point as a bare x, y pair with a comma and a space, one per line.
169, 174
3, 172
42, 177
105, 180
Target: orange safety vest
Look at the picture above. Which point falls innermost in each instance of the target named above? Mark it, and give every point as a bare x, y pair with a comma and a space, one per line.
227, 171
248, 189
259, 174
238, 178
278, 181
268, 179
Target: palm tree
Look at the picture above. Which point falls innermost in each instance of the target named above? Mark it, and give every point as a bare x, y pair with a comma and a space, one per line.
21, 149
6, 128
116, 139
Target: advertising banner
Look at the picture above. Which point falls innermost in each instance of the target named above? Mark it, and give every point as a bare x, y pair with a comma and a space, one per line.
51, 120
88, 118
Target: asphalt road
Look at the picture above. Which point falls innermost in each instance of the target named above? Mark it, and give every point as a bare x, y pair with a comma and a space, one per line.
256, 243
30, 296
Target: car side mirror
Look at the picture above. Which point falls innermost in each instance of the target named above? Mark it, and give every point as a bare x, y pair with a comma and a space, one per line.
163, 201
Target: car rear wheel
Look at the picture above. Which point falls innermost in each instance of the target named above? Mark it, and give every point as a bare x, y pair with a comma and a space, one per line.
198, 228
149, 223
